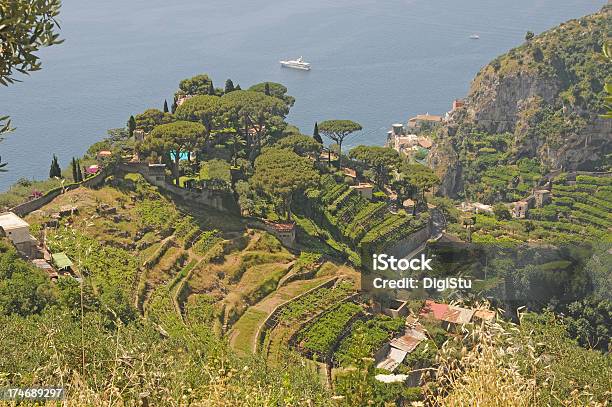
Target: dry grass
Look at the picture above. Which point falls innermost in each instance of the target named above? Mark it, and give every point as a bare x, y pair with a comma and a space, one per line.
491, 367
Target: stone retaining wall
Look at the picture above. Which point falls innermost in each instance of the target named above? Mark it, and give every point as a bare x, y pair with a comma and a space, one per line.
219, 200
35, 204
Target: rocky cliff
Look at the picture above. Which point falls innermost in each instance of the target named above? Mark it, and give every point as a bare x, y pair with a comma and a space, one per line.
547, 94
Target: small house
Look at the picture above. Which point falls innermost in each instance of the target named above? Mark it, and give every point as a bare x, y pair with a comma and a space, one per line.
364, 189
457, 104
395, 308
349, 172
285, 232
106, 153
425, 143
18, 232
450, 316
423, 119
157, 172
409, 205
542, 197
521, 208
393, 353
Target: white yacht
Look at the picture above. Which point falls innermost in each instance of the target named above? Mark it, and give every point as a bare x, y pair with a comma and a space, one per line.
474, 37
296, 64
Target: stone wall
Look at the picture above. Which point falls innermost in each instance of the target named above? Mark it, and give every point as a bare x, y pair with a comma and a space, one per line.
220, 200
404, 247
35, 204
271, 321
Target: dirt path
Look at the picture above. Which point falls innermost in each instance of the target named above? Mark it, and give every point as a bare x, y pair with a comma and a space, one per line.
243, 334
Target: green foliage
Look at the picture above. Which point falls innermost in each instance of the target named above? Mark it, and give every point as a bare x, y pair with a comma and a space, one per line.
590, 322
203, 108
366, 338
175, 138
197, 85
135, 361
573, 368
24, 289
319, 337
275, 90
501, 212
151, 118
380, 159
155, 213
55, 171
109, 268
316, 135
279, 174
26, 27
229, 86
300, 144
337, 131
359, 387
206, 242
419, 176
310, 304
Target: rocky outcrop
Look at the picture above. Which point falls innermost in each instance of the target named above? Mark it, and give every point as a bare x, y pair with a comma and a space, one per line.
547, 93
494, 100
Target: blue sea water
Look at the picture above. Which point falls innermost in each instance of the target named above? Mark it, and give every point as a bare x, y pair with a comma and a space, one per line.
374, 61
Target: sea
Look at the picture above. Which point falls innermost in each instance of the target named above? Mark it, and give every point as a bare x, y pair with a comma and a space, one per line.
376, 62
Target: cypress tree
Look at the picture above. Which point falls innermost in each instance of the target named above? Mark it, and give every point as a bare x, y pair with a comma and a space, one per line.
267, 89
315, 134
238, 87
75, 172
165, 106
55, 170
211, 88
131, 124
174, 106
229, 86
79, 173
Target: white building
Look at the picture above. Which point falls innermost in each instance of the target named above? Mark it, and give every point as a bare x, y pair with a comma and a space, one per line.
18, 231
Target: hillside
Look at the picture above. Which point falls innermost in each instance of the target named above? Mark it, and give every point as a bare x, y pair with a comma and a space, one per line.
544, 98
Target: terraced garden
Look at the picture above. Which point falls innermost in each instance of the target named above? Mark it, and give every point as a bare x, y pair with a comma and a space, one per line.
318, 339
366, 338
578, 212
292, 315
356, 220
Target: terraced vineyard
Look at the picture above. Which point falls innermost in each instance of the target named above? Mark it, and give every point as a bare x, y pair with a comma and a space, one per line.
588, 202
366, 338
317, 339
357, 220
299, 311
579, 211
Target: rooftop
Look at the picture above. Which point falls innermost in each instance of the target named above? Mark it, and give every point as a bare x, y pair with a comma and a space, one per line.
9, 221
362, 186
425, 143
61, 260
281, 227
448, 313
426, 117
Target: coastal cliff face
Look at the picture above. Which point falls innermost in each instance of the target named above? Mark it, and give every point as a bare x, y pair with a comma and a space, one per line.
545, 95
